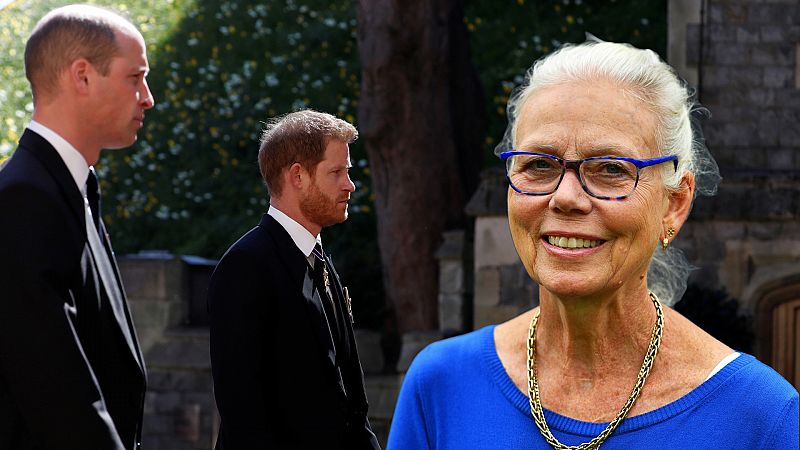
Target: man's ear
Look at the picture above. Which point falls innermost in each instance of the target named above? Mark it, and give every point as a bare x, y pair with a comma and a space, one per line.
296, 176
78, 74
680, 203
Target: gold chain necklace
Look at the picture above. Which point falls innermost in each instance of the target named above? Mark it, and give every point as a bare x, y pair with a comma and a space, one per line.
536, 402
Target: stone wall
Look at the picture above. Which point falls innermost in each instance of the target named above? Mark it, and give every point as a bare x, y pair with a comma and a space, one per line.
163, 290
748, 71
503, 288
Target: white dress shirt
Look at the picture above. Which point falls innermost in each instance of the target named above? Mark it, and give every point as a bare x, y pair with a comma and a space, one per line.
302, 238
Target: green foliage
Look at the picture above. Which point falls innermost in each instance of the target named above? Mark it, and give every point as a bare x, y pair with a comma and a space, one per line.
15, 99
191, 184
507, 37
154, 17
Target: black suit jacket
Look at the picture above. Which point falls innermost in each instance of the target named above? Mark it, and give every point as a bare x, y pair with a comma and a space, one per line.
279, 380
69, 377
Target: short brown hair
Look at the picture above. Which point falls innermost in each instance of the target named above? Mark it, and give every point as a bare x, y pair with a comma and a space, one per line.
66, 34
298, 137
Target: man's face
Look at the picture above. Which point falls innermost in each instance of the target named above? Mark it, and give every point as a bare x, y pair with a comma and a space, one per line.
122, 96
324, 203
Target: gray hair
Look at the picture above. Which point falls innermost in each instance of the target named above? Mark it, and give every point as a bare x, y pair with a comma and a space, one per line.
642, 74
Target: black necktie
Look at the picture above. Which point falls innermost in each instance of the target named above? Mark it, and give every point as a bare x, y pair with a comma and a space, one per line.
326, 294
102, 254
93, 195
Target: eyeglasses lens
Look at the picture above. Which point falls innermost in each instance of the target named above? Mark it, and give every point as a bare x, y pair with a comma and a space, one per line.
540, 174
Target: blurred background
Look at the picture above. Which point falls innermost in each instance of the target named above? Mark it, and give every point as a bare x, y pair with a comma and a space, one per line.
426, 251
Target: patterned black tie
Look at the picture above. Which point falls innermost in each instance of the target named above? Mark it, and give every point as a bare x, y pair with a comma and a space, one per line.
322, 281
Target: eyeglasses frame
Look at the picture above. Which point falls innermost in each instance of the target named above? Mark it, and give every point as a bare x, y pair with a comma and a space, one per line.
575, 165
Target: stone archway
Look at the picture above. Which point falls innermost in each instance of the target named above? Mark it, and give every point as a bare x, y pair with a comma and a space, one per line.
778, 327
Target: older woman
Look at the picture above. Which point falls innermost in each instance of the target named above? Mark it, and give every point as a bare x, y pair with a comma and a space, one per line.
602, 170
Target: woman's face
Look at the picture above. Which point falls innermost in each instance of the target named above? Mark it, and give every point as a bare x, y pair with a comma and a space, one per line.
576, 120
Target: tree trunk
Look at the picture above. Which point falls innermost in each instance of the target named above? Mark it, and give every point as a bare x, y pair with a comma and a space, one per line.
422, 120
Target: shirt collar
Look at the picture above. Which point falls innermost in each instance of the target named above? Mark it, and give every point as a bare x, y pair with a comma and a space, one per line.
302, 238
75, 162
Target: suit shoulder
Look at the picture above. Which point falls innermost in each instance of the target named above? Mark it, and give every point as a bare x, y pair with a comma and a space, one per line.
23, 171
35, 199
254, 256
254, 245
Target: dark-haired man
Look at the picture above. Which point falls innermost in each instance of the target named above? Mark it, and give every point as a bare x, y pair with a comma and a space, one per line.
286, 370
71, 372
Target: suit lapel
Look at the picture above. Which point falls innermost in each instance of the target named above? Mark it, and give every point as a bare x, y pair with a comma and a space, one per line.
126, 310
111, 278
338, 292
50, 159
357, 389
301, 274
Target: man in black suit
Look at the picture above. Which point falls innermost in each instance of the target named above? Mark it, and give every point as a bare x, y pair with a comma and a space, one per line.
284, 359
71, 372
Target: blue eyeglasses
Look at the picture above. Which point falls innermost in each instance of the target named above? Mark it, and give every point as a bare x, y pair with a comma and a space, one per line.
603, 177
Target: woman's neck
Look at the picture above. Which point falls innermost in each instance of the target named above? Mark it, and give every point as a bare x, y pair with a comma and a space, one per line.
587, 336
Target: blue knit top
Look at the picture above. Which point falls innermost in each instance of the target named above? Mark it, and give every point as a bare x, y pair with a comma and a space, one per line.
458, 396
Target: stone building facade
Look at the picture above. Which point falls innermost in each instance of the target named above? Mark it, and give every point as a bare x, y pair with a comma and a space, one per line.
744, 57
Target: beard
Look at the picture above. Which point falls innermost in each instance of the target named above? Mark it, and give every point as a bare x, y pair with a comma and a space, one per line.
321, 209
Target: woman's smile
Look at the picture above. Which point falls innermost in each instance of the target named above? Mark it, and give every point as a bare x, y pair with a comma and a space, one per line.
572, 242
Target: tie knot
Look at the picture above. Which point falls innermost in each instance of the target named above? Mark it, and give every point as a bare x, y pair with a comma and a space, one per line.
93, 197
91, 182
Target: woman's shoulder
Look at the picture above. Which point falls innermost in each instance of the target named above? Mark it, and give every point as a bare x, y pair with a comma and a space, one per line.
458, 346
759, 381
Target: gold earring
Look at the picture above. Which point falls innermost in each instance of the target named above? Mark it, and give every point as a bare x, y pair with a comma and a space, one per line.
665, 242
